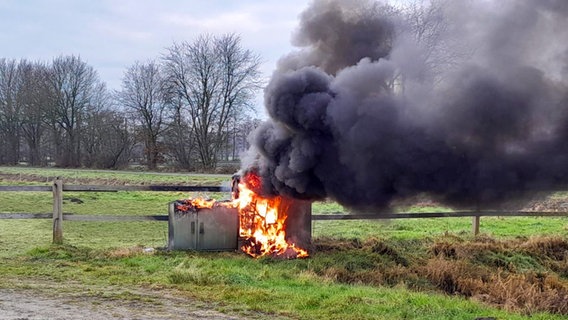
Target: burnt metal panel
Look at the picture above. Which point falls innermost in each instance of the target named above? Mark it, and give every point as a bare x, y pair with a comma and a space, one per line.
217, 229
299, 222
182, 229
214, 229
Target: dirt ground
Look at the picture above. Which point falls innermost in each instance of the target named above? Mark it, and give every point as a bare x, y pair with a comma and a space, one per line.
19, 305
32, 300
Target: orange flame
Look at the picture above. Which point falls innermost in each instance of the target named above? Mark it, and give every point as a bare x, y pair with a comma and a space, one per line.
189, 204
261, 220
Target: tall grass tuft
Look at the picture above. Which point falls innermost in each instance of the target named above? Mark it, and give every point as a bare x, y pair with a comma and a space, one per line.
503, 272
187, 273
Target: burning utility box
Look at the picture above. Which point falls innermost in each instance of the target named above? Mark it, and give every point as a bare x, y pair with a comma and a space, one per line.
259, 226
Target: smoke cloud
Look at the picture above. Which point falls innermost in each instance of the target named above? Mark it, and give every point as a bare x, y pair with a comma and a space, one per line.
473, 111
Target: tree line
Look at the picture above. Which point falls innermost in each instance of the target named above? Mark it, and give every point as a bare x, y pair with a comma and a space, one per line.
190, 109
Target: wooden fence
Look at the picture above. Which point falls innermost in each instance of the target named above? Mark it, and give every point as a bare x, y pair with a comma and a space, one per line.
58, 216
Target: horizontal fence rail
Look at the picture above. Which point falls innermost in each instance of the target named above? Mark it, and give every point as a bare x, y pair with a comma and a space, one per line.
418, 215
83, 217
97, 188
25, 188
315, 217
59, 216
72, 217
25, 215
145, 188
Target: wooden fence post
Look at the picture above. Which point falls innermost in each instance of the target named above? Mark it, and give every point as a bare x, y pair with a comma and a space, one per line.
475, 225
57, 211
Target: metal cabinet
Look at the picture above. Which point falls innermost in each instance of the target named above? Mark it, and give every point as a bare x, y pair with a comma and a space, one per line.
214, 229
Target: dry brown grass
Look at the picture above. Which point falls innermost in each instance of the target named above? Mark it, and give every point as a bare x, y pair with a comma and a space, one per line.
528, 292
455, 268
454, 276
383, 248
127, 252
553, 247
521, 275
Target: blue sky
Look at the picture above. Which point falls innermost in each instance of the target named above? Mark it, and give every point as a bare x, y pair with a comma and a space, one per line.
110, 35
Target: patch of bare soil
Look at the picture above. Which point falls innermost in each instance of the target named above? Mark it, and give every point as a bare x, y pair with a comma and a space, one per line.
20, 177
34, 300
547, 204
35, 178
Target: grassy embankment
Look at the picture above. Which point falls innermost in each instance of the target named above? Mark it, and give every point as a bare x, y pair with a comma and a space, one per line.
402, 269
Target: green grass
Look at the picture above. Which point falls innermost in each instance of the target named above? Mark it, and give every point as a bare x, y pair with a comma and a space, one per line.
46, 175
424, 228
363, 269
240, 284
98, 203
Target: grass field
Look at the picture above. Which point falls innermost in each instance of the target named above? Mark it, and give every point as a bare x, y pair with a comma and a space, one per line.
399, 269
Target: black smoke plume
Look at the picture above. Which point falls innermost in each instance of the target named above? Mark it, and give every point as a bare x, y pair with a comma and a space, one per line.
367, 110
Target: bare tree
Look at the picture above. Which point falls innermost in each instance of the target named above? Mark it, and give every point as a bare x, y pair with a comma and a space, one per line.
215, 78
9, 112
107, 141
76, 89
239, 129
179, 138
440, 49
144, 96
33, 97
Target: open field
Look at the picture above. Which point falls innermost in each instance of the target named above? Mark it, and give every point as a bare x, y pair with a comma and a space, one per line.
401, 269
27, 175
